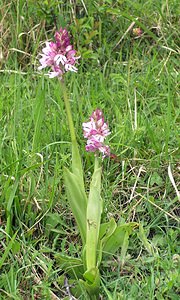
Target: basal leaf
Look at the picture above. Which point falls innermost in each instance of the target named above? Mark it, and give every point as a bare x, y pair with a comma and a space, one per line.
106, 230
118, 238
94, 210
77, 164
92, 281
77, 200
72, 266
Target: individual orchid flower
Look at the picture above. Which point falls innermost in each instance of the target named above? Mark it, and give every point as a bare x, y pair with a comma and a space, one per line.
96, 131
59, 55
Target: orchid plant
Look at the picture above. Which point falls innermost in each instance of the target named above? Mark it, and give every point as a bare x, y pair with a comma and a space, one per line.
98, 239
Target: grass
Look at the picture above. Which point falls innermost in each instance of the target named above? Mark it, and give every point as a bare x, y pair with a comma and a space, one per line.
136, 85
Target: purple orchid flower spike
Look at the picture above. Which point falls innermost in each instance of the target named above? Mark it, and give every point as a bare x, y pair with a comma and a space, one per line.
59, 55
96, 131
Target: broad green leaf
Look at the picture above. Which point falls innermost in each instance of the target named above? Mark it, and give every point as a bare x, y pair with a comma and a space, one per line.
106, 230
94, 210
90, 275
72, 266
77, 200
92, 281
76, 163
119, 238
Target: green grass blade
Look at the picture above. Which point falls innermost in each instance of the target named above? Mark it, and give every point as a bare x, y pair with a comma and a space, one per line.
9, 206
8, 248
38, 116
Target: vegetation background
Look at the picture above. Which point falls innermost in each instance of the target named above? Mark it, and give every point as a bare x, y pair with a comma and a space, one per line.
128, 68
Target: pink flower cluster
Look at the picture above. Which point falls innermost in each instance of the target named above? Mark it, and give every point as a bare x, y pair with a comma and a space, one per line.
59, 55
96, 131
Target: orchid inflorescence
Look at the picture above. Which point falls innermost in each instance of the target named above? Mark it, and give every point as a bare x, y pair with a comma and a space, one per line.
96, 131
59, 55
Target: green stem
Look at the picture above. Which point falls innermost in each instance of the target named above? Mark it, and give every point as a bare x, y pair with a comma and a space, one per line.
76, 159
96, 163
69, 114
